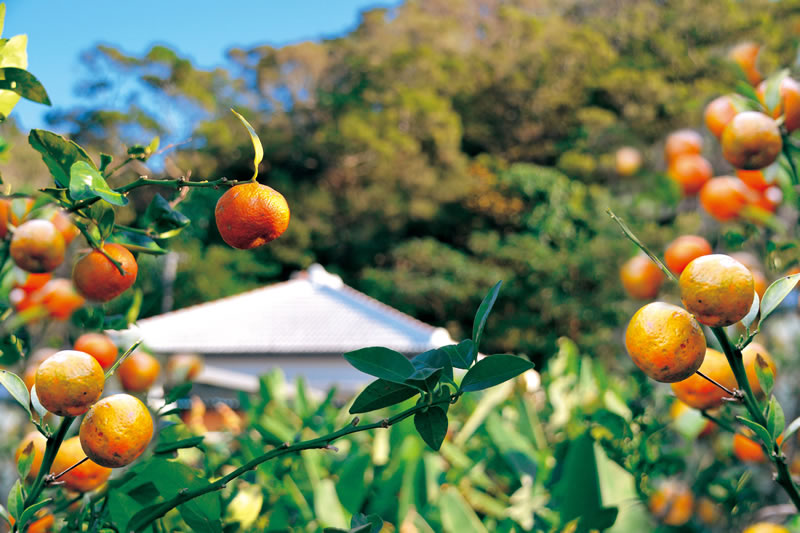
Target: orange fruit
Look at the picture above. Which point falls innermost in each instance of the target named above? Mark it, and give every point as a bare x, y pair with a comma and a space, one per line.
251, 215
184, 367
68, 382
37, 246
748, 450
59, 297
99, 346
766, 527
698, 392
641, 278
38, 443
768, 200
31, 282
691, 172
724, 197
98, 279
749, 354
4, 208
718, 113
788, 104
717, 290
682, 142
84, 478
42, 525
665, 342
628, 161
63, 223
708, 511
755, 179
745, 55
751, 141
19, 209
683, 250
672, 503
138, 371
116, 430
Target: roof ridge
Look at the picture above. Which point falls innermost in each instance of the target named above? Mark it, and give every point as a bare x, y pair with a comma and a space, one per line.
385, 307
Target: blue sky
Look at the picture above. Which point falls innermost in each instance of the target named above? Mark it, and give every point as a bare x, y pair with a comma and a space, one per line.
59, 30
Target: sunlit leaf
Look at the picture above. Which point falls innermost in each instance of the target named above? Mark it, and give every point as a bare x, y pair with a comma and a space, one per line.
86, 182
16, 387
58, 154
775, 293
259, 150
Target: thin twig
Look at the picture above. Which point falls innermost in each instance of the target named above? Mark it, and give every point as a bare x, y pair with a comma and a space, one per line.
735, 394
50, 478
630, 235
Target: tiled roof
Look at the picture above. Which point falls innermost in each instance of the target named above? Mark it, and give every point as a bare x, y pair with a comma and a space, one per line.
314, 312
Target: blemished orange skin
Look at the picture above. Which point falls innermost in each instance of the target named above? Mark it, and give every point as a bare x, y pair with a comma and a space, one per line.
749, 354
628, 161
682, 142
765, 527
717, 290
138, 371
754, 179
69, 382
724, 197
788, 104
748, 450
684, 250
665, 342
59, 297
84, 478
39, 443
641, 278
98, 279
700, 393
64, 224
251, 215
184, 367
99, 346
37, 246
751, 141
745, 55
116, 430
691, 172
672, 503
718, 113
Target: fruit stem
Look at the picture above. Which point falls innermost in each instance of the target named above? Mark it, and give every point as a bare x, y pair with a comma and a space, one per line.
721, 423
155, 512
629, 234
53, 477
718, 384
734, 356
53, 444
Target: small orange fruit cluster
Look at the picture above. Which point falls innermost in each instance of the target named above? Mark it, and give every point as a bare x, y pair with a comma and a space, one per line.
251, 215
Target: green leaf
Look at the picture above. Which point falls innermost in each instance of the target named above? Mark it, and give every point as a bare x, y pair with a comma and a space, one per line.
772, 93
169, 447
599, 520
202, 514
456, 514
105, 160
361, 520
760, 430
27, 514
4, 514
16, 500
176, 393
776, 420
751, 315
437, 359
25, 461
10, 350
382, 363
483, 313
461, 355
86, 182
37, 405
104, 216
153, 146
764, 374
431, 425
165, 221
327, 507
135, 308
259, 150
16, 387
381, 393
136, 242
58, 154
494, 370
746, 90
23, 83
791, 429
776, 292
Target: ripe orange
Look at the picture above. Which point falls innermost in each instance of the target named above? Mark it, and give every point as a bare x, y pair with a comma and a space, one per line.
184, 367
39, 443
251, 215
672, 503
755, 179
641, 278
665, 342
724, 197
63, 223
766, 527
718, 113
86, 477
42, 525
628, 161
59, 297
29, 375
68, 382
751, 141
691, 172
788, 105
4, 209
749, 354
748, 450
745, 55
708, 511
98, 279
99, 346
138, 371
30, 282
682, 142
116, 430
698, 392
768, 200
717, 290
37, 246
683, 250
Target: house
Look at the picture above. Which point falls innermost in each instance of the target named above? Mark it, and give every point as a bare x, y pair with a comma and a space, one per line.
302, 326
